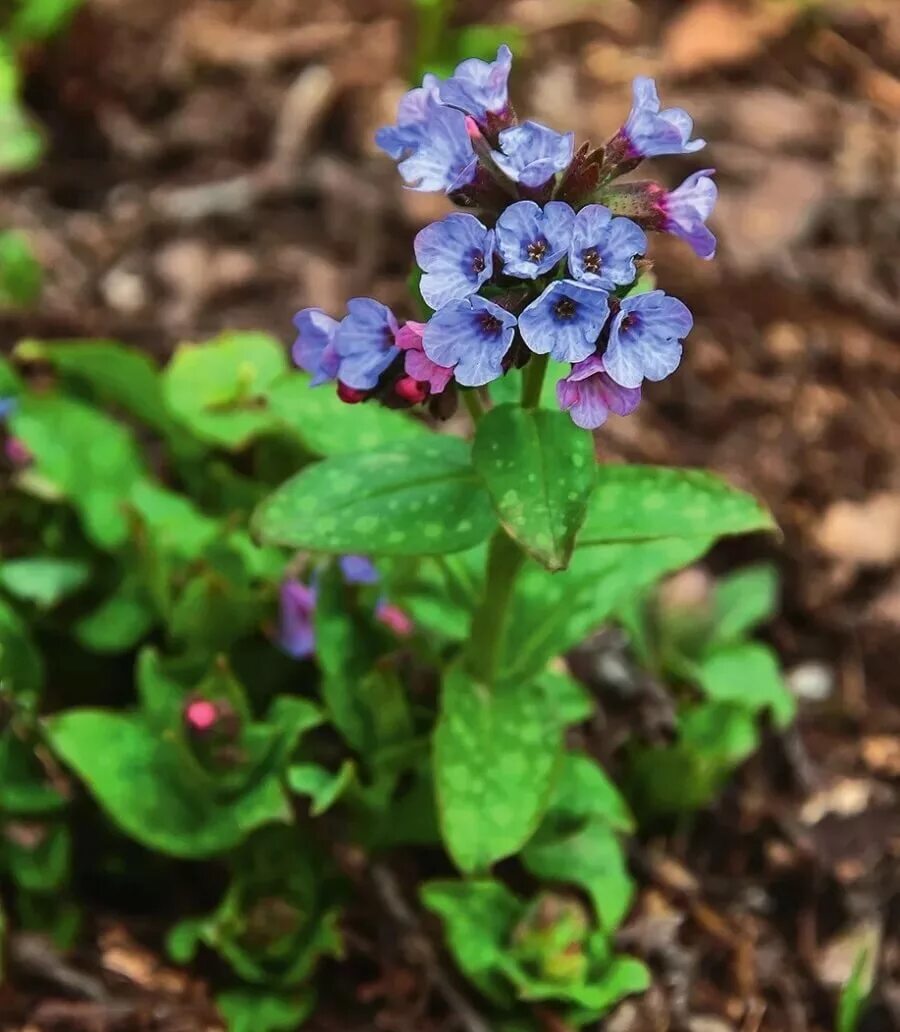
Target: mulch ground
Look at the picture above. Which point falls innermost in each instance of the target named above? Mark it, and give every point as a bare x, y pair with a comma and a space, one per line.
211, 166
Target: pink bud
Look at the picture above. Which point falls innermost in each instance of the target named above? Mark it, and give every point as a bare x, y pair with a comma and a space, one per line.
411, 390
350, 395
394, 619
17, 452
201, 715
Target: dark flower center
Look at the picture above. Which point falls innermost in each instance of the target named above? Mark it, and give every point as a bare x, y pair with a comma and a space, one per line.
591, 260
478, 262
628, 323
536, 250
489, 324
565, 308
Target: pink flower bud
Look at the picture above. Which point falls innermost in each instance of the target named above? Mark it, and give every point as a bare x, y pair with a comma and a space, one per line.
350, 395
201, 715
411, 390
394, 619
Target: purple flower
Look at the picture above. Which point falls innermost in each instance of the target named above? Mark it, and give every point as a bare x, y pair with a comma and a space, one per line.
357, 569
471, 335
417, 364
456, 255
589, 395
531, 153
296, 635
687, 208
531, 240
479, 88
603, 249
645, 338
314, 349
400, 140
443, 157
565, 321
649, 132
365, 343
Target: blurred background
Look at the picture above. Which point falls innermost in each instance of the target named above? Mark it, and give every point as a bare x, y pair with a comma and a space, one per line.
187, 166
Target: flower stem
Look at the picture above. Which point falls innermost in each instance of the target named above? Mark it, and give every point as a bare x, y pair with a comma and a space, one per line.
474, 405
491, 618
533, 381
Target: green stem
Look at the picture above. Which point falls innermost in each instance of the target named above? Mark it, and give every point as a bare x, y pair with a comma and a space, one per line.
474, 405
533, 381
492, 617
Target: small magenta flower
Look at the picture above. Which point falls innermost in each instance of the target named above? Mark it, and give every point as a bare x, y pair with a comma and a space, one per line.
394, 618
298, 604
645, 338
472, 336
314, 349
531, 239
17, 452
479, 88
402, 139
531, 154
589, 395
201, 715
649, 132
565, 321
358, 569
603, 249
687, 208
366, 343
443, 158
419, 367
456, 255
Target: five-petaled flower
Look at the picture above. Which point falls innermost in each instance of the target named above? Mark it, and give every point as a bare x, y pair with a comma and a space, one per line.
314, 349
480, 88
565, 321
472, 336
686, 209
531, 154
456, 256
645, 338
296, 635
589, 394
442, 157
649, 132
603, 249
531, 239
366, 343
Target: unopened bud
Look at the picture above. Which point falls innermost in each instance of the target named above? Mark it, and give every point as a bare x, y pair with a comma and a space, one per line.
413, 391
350, 395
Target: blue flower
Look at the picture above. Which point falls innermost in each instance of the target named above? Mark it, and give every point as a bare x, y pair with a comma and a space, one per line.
688, 207
400, 140
366, 343
565, 321
7, 406
589, 395
479, 88
531, 240
650, 132
645, 338
531, 153
456, 257
314, 349
357, 569
296, 635
443, 157
603, 249
472, 335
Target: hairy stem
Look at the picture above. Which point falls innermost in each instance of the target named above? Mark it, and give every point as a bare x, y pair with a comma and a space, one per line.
473, 404
491, 618
533, 381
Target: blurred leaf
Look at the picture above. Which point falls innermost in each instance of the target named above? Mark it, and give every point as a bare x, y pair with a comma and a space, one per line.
632, 503
10, 382
38, 19
120, 622
219, 389
21, 276
539, 469
328, 426
584, 790
852, 1002
482, 41
414, 498
749, 676
177, 527
324, 787
508, 389
37, 856
25, 790
496, 753
745, 599
43, 580
21, 145
21, 666
90, 459
248, 1010
572, 702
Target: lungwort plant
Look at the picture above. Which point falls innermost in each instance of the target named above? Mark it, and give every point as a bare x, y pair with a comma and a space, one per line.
376, 659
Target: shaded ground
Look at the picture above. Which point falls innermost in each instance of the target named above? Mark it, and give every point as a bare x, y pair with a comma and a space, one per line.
211, 166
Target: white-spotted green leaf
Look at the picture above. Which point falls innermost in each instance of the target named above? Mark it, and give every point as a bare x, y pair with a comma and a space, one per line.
539, 469
327, 426
496, 754
747, 675
635, 503
419, 497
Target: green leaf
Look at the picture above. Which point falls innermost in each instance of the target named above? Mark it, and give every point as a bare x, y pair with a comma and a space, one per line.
744, 600
38, 19
138, 778
175, 525
633, 503
219, 389
539, 469
572, 702
249, 1010
749, 676
21, 666
322, 786
25, 790
43, 580
590, 856
40, 863
852, 1002
10, 382
585, 791
120, 622
21, 145
478, 918
553, 612
87, 457
327, 426
21, 275
507, 390
415, 498
496, 754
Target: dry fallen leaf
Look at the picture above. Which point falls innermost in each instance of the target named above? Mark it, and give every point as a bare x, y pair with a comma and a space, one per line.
866, 532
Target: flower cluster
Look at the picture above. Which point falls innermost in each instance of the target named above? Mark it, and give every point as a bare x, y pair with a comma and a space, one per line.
548, 266
296, 632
